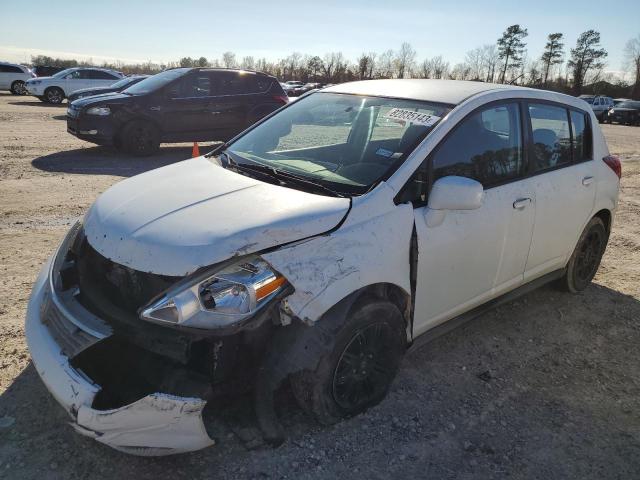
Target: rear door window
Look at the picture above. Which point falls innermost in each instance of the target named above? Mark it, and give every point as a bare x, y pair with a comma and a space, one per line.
486, 146
581, 133
230, 83
257, 84
551, 138
10, 69
101, 75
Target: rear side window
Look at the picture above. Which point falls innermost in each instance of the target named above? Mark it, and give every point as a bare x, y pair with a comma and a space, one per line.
486, 146
258, 84
101, 75
230, 83
551, 137
581, 133
10, 69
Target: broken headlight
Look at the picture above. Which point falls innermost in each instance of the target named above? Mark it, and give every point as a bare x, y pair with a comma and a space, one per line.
220, 299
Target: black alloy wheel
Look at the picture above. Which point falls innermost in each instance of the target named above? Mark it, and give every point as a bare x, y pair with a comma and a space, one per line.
363, 371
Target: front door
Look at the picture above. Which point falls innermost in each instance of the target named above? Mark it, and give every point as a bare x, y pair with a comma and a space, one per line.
189, 111
469, 257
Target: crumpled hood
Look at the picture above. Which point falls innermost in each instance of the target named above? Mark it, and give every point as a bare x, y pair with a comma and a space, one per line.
176, 219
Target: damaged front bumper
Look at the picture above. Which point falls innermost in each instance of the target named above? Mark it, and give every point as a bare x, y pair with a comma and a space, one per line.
157, 424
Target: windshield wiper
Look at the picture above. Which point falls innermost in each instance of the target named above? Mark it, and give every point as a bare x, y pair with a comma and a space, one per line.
282, 177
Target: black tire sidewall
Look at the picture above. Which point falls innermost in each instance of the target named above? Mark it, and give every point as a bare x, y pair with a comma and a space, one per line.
13, 86
320, 383
572, 282
128, 142
53, 89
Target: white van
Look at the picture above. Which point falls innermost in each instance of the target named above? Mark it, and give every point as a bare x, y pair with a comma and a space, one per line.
13, 77
316, 247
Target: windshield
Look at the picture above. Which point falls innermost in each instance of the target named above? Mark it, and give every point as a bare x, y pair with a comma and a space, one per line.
345, 142
628, 105
156, 81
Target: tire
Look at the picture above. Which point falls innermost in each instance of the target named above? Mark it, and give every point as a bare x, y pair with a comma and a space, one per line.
585, 260
140, 138
18, 88
54, 95
41, 98
371, 338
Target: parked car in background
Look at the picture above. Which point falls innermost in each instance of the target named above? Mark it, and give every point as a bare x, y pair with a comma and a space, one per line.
183, 104
312, 250
56, 88
616, 101
13, 77
119, 86
46, 70
599, 104
626, 113
312, 86
293, 88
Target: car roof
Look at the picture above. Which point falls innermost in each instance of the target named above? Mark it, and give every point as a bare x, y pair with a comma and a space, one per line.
220, 69
444, 91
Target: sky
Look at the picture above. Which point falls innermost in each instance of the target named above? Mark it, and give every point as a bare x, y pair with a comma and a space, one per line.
162, 31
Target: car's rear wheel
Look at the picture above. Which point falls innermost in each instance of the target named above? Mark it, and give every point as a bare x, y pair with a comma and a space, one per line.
585, 260
140, 138
358, 368
54, 95
18, 88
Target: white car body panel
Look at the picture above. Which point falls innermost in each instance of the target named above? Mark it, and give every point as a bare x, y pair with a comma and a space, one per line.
488, 249
372, 246
162, 221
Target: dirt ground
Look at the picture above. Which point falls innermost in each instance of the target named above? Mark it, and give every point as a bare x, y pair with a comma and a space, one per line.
546, 387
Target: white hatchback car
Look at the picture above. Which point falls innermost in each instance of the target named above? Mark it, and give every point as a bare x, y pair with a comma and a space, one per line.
316, 246
13, 77
56, 88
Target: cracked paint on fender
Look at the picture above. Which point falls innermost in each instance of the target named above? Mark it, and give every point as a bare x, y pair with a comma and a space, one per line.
372, 246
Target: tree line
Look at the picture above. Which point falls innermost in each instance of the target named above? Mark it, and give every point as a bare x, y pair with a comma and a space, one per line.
578, 70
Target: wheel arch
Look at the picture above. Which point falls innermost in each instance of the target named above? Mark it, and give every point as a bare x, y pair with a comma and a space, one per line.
606, 217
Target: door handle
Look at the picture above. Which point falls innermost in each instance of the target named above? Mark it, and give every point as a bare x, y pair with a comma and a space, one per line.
586, 181
216, 113
521, 203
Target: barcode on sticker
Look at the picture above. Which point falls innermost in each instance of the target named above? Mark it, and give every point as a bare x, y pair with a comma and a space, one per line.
412, 117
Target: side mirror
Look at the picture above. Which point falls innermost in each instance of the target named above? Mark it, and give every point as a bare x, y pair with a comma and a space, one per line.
456, 193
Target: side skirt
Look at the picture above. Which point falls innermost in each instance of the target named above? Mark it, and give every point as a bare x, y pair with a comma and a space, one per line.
460, 320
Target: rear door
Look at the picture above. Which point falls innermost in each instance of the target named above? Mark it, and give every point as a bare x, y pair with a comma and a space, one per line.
562, 170
5, 77
230, 105
475, 255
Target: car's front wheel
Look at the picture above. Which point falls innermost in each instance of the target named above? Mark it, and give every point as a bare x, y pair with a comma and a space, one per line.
18, 88
585, 260
139, 138
356, 371
54, 95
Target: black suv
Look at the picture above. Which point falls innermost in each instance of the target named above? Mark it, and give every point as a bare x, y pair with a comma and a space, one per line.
179, 105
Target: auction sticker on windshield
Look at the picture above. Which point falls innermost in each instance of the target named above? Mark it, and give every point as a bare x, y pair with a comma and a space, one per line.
411, 116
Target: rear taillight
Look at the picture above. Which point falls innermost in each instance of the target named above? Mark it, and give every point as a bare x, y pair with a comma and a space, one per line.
283, 99
614, 164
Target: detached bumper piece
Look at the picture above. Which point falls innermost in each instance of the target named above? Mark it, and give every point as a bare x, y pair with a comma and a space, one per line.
154, 424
